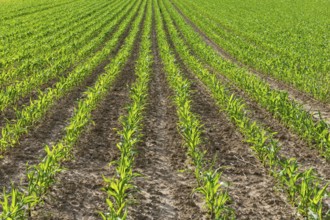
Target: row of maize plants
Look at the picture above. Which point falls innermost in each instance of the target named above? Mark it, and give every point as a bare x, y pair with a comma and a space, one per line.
303, 187
267, 43
18, 203
209, 182
120, 185
33, 113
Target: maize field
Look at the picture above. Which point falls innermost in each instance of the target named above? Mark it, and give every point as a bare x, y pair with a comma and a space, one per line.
164, 109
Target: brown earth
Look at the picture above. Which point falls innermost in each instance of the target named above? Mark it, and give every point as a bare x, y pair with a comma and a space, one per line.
77, 193
253, 191
292, 145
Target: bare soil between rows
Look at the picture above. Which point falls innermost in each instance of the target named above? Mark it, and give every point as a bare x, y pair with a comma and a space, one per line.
292, 145
252, 189
77, 193
46, 132
9, 113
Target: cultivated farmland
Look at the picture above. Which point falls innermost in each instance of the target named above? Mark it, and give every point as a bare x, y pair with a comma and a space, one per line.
164, 109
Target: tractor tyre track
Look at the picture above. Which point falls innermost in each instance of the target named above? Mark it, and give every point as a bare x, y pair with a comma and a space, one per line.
292, 144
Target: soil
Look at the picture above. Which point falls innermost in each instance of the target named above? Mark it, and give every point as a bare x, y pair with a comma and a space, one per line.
46, 132
252, 189
292, 145
77, 193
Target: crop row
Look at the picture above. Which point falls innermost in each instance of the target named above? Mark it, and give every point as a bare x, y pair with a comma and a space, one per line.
208, 178
107, 34
16, 51
27, 11
19, 35
267, 42
23, 30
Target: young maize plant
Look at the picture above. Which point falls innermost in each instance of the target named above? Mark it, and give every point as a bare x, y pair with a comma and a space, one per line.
305, 185
14, 92
41, 176
209, 185
31, 114
118, 186
275, 101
